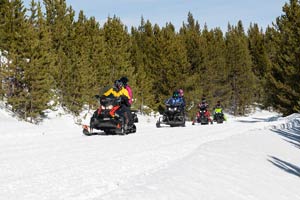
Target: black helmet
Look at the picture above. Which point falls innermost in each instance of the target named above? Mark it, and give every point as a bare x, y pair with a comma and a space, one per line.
118, 84
124, 80
175, 94
203, 100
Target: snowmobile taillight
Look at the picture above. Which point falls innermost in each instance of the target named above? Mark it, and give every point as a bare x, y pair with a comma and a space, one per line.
86, 127
118, 125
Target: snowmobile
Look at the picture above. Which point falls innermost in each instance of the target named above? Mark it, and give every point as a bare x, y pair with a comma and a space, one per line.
218, 116
173, 116
105, 118
202, 118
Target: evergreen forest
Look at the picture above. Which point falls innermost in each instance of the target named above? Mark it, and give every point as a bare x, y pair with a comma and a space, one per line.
50, 55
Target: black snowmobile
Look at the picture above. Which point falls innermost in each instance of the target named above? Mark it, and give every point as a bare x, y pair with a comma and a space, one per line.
105, 118
219, 116
173, 116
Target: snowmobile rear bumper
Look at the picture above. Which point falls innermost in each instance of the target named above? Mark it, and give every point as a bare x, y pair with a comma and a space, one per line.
171, 123
175, 123
103, 124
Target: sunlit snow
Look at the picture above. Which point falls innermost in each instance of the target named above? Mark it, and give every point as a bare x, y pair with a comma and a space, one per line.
252, 158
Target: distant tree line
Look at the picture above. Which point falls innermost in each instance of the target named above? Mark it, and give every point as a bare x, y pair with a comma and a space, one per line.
54, 57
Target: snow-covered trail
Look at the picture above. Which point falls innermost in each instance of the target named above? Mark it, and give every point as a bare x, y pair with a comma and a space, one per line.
56, 161
48, 163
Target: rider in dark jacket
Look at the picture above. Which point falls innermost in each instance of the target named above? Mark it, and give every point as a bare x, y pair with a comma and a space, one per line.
203, 106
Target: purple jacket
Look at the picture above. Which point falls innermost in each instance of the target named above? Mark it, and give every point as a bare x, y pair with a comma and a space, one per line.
128, 88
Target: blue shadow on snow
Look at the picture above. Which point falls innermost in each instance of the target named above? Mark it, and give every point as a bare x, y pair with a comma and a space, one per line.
288, 167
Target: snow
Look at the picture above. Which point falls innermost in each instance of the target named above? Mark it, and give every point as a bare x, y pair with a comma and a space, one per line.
248, 158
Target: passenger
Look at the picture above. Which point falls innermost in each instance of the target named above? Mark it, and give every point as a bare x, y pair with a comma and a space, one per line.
124, 80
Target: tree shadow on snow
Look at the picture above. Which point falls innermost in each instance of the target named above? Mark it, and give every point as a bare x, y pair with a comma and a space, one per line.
249, 121
269, 119
259, 119
290, 134
288, 167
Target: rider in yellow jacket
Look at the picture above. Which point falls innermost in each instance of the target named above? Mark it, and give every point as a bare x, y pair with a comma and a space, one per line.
119, 91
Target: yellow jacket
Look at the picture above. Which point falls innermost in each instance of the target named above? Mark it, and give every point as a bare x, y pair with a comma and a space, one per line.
119, 93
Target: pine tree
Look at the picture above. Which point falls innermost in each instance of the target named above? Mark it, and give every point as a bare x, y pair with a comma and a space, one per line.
60, 20
285, 73
260, 60
59, 26
37, 76
217, 73
206, 72
271, 49
239, 63
4, 8
4, 5
172, 63
75, 60
195, 47
143, 57
90, 47
16, 32
116, 50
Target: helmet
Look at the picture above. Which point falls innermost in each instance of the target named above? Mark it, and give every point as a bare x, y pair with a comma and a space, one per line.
203, 100
118, 84
180, 91
175, 94
124, 80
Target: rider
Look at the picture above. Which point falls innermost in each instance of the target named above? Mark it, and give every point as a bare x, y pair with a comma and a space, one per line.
218, 108
124, 80
118, 90
181, 95
133, 116
175, 99
218, 105
203, 106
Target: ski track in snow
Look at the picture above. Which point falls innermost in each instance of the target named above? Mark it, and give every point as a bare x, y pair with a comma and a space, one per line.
57, 162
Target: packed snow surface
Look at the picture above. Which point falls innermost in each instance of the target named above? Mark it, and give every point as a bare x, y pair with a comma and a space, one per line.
246, 158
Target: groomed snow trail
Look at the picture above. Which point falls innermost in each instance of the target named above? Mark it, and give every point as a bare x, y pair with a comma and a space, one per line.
55, 161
